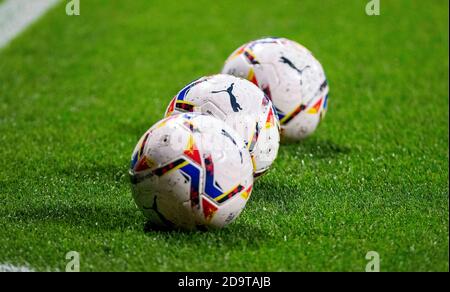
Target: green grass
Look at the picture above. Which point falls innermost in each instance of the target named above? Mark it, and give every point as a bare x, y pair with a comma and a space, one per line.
77, 92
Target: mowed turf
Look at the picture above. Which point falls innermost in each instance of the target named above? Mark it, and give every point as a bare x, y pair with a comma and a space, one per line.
77, 92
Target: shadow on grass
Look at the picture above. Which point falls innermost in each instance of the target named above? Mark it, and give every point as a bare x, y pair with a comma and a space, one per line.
237, 233
117, 219
321, 149
279, 197
280, 189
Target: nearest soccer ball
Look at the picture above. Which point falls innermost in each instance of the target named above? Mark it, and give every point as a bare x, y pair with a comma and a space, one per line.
292, 78
242, 105
191, 171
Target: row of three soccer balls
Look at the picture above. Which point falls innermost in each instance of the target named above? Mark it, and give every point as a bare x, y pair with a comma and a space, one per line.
195, 168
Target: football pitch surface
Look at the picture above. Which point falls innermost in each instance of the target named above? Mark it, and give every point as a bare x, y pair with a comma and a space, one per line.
78, 92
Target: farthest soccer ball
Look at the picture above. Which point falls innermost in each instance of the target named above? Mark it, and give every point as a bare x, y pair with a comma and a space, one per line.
290, 75
242, 106
191, 171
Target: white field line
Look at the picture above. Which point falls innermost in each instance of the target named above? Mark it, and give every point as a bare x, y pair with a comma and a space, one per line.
12, 268
16, 15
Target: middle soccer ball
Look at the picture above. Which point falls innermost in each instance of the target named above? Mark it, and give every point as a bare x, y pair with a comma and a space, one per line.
241, 105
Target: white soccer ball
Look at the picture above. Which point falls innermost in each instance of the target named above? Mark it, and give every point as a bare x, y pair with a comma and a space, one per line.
191, 171
241, 105
292, 78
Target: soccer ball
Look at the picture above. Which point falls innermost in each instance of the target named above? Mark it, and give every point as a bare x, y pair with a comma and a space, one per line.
191, 171
292, 78
241, 105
